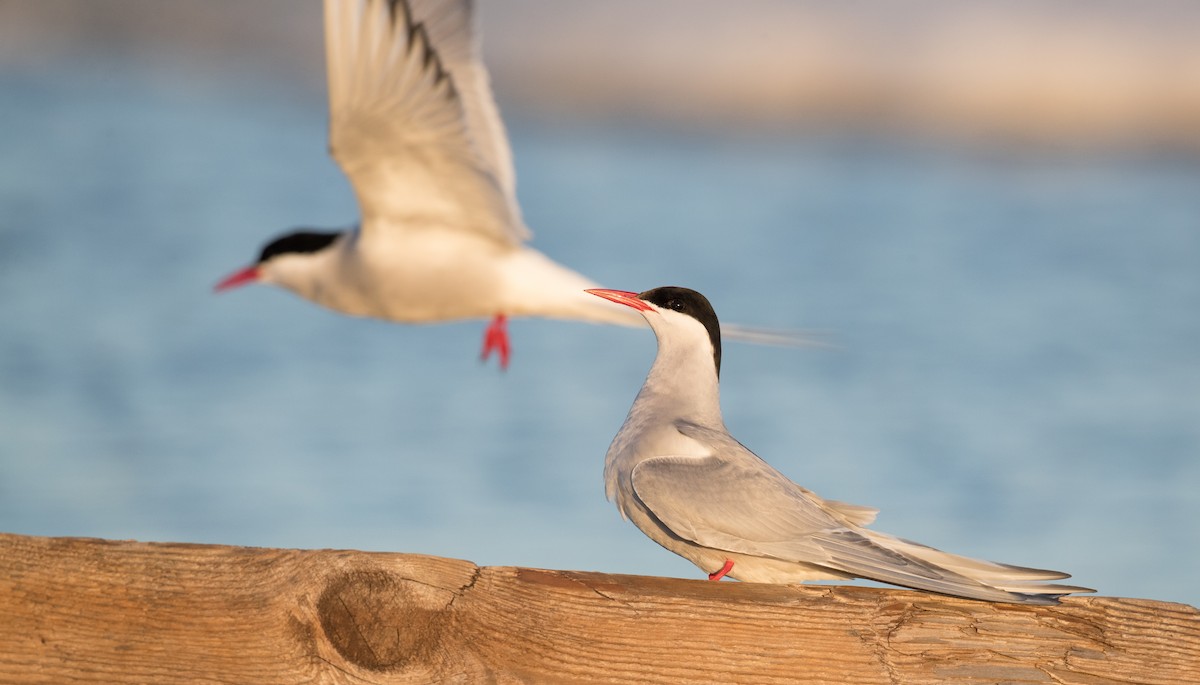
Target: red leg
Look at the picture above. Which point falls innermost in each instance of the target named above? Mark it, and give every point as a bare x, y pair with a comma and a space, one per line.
495, 338
720, 573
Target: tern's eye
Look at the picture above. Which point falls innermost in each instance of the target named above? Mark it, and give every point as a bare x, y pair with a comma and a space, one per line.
677, 305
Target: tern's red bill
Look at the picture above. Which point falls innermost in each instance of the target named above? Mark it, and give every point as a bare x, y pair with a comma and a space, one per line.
238, 278
621, 297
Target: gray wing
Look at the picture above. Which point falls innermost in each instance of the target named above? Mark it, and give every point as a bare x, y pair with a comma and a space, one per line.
734, 501
734, 507
412, 120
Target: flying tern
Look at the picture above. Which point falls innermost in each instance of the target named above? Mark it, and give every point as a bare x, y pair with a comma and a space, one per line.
413, 124
676, 472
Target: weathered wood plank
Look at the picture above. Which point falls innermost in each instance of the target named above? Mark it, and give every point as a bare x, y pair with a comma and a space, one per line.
81, 610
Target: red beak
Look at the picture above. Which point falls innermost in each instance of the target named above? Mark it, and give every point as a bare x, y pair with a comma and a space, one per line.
237, 278
621, 297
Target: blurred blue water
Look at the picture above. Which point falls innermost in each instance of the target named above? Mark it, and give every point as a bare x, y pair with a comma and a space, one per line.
1015, 373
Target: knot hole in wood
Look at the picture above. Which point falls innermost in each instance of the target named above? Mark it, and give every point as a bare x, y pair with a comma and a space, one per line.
379, 621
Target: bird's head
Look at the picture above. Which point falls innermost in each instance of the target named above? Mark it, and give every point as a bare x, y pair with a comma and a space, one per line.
289, 261
679, 316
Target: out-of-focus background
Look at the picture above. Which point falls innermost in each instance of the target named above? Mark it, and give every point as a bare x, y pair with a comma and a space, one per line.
992, 209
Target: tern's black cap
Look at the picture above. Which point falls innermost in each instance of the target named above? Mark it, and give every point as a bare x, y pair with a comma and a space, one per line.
300, 242
695, 305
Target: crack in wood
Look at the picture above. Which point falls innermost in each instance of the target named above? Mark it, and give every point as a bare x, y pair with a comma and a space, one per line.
462, 591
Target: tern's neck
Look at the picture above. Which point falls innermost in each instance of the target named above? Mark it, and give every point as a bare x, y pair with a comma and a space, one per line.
683, 382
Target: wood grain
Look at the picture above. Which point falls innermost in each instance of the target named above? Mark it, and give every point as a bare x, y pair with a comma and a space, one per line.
93, 611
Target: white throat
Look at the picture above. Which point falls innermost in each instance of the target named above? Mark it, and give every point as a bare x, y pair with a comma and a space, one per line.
683, 379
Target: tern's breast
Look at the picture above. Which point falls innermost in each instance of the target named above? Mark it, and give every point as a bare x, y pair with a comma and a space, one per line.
644, 435
423, 276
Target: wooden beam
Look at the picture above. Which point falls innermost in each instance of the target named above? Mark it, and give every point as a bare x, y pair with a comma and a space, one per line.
84, 610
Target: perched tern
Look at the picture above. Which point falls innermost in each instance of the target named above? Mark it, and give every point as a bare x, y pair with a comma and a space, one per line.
677, 473
413, 124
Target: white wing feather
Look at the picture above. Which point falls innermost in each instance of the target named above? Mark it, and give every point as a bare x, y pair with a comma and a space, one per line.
412, 120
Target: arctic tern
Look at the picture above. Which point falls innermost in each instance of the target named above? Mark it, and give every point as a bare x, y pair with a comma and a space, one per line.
413, 124
676, 472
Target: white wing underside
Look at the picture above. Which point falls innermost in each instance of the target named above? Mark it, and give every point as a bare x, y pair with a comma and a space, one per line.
412, 120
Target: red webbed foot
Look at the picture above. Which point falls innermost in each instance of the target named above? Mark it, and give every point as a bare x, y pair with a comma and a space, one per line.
720, 573
495, 339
